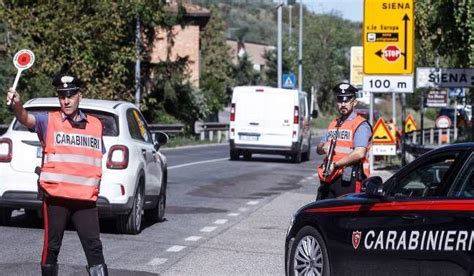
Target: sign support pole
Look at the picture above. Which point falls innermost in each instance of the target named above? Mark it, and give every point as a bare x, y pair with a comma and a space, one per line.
422, 116
371, 121
402, 144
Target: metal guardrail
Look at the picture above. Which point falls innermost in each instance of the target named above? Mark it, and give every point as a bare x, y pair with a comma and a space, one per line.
167, 128
435, 136
206, 130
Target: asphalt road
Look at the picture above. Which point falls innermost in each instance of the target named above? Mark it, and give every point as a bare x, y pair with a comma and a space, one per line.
223, 218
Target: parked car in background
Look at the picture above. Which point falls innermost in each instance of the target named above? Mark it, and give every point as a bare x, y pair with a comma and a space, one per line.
462, 116
134, 171
271, 121
419, 222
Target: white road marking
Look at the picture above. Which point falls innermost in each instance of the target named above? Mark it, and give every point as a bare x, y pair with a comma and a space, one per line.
243, 209
175, 248
208, 229
193, 238
197, 163
309, 177
157, 261
220, 221
233, 214
253, 202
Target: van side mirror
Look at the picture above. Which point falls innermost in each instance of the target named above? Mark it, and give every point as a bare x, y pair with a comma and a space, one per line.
373, 186
160, 139
314, 114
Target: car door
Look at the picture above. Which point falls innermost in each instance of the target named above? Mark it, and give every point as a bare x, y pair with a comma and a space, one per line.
144, 144
393, 231
461, 204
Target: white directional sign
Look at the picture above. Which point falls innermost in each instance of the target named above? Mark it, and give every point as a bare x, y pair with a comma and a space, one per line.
444, 77
388, 84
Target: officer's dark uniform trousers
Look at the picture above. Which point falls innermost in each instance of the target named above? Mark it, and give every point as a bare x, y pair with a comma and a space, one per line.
84, 215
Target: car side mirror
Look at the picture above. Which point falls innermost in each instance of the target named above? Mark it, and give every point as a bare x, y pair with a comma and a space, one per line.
373, 186
314, 114
160, 139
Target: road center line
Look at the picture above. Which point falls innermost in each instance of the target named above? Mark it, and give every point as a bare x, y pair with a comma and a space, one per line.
175, 248
197, 163
193, 238
220, 221
233, 214
157, 261
208, 229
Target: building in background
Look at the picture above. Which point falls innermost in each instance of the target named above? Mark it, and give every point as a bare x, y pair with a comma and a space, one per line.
254, 51
186, 40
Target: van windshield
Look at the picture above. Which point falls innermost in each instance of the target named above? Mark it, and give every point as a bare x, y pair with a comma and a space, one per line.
109, 121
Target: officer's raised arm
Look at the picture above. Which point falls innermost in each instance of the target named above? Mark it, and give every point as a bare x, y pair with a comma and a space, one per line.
21, 114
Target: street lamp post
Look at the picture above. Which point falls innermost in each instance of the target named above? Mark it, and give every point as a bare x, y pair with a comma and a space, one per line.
300, 50
279, 43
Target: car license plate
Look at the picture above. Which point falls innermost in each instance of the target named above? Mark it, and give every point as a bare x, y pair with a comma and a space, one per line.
248, 138
39, 152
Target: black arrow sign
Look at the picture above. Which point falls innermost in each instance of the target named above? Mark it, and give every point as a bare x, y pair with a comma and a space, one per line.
405, 18
379, 53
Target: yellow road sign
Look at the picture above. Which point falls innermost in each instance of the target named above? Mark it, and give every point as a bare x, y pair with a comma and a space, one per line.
381, 133
410, 124
357, 62
388, 37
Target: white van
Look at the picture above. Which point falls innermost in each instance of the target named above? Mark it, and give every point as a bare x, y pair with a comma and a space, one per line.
271, 121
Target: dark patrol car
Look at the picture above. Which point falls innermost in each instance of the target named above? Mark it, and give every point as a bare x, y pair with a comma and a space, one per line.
419, 222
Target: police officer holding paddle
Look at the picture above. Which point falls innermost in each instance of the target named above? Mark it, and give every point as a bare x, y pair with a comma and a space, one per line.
70, 173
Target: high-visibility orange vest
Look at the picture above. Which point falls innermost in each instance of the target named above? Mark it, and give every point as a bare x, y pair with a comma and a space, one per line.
344, 146
72, 161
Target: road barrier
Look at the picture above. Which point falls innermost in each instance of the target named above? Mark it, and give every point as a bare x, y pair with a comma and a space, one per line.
211, 131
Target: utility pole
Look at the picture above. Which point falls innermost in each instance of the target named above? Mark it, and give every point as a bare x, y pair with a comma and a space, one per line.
289, 26
279, 43
300, 50
137, 63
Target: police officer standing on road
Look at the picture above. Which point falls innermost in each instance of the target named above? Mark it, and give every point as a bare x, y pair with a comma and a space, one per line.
70, 172
352, 135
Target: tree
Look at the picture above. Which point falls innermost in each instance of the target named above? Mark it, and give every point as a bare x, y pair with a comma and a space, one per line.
326, 54
244, 73
216, 76
289, 64
95, 40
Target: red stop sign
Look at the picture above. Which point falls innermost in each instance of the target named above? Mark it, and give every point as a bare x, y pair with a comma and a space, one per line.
23, 59
391, 53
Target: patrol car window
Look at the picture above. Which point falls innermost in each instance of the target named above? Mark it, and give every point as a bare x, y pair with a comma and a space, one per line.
108, 120
425, 180
464, 186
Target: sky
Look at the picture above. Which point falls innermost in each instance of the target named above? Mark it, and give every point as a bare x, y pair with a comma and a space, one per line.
349, 9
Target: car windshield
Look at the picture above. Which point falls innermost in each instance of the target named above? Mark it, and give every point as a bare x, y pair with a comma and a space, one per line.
109, 120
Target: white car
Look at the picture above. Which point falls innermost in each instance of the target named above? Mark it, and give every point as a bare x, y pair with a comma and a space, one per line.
134, 173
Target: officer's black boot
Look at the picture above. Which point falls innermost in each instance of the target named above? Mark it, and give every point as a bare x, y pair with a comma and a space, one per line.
49, 270
98, 270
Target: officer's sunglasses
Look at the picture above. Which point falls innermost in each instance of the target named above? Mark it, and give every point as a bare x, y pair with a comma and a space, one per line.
344, 99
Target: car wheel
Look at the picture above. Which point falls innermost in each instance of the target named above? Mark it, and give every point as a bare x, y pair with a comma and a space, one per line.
296, 157
132, 222
5, 216
234, 155
247, 155
309, 254
157, 213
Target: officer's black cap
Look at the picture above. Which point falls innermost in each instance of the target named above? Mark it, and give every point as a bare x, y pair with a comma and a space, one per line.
67, 85
345, 91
